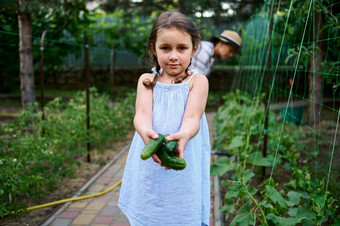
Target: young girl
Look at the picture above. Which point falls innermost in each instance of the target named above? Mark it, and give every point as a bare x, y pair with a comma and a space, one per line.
169, 102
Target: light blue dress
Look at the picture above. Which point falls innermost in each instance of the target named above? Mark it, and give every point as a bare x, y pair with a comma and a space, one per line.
153, 196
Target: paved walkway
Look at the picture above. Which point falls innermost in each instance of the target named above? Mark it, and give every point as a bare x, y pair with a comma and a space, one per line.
103, 210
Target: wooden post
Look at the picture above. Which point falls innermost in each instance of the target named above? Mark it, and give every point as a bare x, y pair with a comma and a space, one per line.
42, 102
87, 72
265, 136
112, 71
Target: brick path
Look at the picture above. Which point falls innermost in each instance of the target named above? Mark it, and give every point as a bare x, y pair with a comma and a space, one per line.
102, 210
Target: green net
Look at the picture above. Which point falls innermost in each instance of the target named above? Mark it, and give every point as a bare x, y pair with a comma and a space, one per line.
291, 54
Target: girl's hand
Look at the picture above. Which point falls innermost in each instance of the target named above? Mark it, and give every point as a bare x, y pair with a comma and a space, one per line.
182, 139
156, 159
146, 136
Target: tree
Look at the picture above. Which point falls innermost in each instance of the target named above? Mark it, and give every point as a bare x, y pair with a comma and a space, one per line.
47, 14
26, 55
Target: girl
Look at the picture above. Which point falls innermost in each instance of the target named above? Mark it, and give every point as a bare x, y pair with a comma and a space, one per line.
169, 102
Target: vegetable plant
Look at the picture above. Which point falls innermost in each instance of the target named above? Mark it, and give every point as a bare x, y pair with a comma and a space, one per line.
36, 154
289, 195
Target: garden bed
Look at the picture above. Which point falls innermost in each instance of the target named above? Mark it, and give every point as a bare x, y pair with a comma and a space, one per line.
46, 160
68, 186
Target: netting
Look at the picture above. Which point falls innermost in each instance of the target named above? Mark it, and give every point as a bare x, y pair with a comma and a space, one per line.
291, 54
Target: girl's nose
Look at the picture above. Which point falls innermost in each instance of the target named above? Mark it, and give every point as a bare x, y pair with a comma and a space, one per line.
173, 55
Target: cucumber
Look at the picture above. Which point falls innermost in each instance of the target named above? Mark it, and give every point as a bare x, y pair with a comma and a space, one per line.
170, 161
152, 146
171, 147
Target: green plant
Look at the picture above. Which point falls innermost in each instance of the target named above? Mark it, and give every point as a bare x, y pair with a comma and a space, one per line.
291, 198
36, 154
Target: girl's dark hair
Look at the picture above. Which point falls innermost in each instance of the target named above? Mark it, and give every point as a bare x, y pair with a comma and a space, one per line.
164, 21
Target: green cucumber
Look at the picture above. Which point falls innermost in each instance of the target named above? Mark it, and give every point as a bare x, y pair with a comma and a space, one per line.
152, 146
172, 162
171, 147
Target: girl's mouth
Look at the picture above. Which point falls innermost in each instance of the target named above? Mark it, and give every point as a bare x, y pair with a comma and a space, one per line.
173, 65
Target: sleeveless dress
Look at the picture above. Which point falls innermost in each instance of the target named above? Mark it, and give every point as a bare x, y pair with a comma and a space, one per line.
153, 196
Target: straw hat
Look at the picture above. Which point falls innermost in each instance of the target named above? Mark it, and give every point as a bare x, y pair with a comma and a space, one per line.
231, 37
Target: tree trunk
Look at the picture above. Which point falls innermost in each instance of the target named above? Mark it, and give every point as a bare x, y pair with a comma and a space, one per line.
315, 77
26, 59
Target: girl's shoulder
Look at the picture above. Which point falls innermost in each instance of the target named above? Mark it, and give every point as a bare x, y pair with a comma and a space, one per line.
145, 76
198, 79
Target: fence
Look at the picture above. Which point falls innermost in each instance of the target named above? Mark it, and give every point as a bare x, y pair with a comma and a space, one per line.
291, 53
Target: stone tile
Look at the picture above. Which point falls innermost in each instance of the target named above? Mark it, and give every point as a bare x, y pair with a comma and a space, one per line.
114, 180
61, 222
121, 219
97, 206
96, 188
69, 214
120, 224
110, 211
119, 174
84, 219
105, 198
103, 180
103, 220
115, 168
95, 212
78, 204
113, 203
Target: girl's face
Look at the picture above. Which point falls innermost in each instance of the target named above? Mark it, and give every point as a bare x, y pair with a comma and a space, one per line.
174, 50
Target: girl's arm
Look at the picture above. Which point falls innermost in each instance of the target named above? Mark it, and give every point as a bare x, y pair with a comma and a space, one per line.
143, 116
194, 110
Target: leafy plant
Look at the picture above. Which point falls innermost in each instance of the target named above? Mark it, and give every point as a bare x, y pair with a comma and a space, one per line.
291, 199
36, 154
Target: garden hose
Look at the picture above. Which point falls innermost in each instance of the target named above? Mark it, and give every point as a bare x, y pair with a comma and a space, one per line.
9, 115
75, 198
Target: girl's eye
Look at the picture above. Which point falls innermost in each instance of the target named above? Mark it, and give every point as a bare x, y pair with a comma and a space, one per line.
182, 48
164, 48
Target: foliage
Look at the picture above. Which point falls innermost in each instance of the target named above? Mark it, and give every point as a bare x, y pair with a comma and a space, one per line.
35, 154
291, 198
306, 42
129, 35
220, 10
9, 45
63, 35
